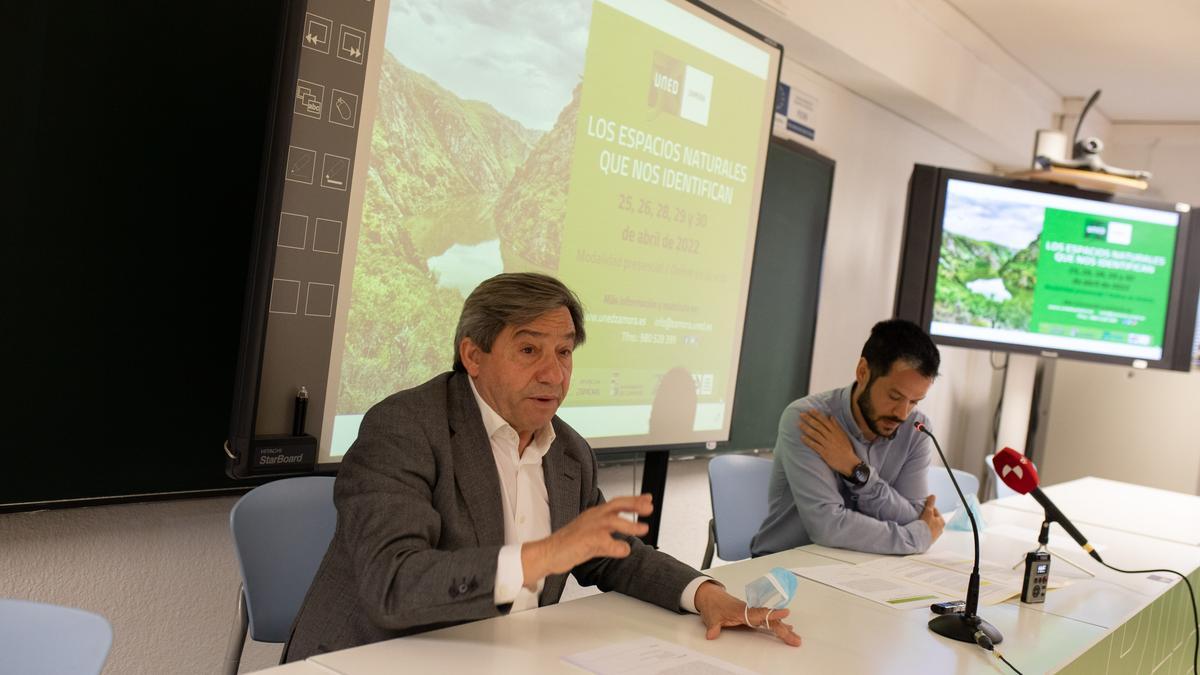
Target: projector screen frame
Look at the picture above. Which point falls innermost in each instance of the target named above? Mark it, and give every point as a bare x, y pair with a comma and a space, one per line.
261, 264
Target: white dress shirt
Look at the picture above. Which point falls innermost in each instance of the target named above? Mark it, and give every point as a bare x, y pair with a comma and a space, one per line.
526, 506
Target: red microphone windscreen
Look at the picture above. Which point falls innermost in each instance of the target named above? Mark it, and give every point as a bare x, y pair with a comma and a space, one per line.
1015, 470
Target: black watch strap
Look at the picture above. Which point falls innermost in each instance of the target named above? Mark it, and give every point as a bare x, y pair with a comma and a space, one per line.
860, 475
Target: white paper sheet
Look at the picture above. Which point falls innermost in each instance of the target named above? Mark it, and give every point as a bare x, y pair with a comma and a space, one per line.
649, 656
916, 581
875, 585
938, 573
999, 575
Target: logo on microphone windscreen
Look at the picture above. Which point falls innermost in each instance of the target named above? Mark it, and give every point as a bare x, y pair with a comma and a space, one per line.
1015, 470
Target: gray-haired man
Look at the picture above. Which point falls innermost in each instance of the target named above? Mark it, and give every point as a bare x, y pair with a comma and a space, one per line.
467, 498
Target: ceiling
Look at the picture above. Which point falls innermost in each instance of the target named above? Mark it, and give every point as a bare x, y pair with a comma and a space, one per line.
1145, 56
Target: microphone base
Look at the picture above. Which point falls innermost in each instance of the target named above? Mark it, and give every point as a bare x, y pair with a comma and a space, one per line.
963, 628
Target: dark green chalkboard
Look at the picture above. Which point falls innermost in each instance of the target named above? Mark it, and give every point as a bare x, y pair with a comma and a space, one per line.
781, 313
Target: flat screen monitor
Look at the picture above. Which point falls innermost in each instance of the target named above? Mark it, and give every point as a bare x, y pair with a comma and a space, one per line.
1012, 265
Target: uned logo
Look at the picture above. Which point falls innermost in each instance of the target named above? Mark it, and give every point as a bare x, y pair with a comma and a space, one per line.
680, 89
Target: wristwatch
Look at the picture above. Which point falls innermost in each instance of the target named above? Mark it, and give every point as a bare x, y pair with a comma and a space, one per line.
859, 475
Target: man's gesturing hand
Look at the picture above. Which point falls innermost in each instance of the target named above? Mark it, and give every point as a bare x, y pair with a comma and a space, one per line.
932, 518
719, 609
588, 536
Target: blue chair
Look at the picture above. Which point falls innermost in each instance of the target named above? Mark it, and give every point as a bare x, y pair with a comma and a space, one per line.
280, 533
738, 487
41, 639
941, 487
1002, 490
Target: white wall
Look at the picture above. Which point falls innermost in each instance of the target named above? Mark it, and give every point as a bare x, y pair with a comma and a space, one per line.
1170, 151
875, 151
920, 59
1130, 425
1121, 423
915, 83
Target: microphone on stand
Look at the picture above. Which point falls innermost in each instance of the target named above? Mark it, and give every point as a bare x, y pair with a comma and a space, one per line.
1018, 473
966, 626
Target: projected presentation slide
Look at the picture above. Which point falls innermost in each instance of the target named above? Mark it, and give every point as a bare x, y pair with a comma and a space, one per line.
1056, 272
617, 145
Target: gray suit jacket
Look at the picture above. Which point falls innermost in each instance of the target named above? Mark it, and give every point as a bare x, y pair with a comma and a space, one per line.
420, 526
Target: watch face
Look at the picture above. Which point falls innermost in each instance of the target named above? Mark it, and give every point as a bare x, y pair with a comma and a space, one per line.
861, 473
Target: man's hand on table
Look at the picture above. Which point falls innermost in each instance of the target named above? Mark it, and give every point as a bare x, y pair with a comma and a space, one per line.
719, 609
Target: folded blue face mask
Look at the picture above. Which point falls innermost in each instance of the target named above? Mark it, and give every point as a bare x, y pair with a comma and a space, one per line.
774, 589
961, 522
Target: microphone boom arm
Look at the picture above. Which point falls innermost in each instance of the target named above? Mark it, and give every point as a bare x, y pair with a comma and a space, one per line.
968, 626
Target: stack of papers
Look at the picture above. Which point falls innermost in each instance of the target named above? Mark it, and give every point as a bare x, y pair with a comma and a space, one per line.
919, 580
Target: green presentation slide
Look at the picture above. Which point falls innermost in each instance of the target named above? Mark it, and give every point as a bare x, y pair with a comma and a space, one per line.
656, 225
616, 145
1029, 268
1103, 279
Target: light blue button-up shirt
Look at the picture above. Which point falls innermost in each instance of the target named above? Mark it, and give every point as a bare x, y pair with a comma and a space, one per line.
810, 503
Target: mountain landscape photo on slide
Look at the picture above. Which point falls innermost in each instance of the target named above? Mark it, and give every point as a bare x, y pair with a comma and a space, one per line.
456, 190
988, 265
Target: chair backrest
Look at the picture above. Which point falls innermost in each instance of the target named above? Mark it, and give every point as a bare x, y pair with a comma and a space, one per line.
1002, 490
280, 533
943, 489
37, 639
738, 487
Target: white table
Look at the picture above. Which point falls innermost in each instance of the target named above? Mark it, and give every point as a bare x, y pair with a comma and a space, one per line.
1145, 511
841, 634
1147, 618
1111, 623
1109, 599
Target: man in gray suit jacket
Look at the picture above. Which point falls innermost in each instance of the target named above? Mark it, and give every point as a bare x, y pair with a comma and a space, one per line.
466, 497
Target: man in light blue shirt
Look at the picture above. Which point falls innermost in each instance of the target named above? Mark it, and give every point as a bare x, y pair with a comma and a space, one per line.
850, 470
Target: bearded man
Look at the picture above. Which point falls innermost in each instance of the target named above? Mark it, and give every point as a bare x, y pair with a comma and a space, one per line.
850, 470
